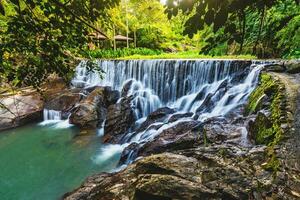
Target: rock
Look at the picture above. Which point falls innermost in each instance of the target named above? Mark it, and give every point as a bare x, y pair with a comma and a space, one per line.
257, 128
276, 67
126, 88
120, 118
53, 86
130, 151
221, 172
18, 109
111, 96
91, 112
293, 66
157, 116
177, 136
211, 99
176, 117
64, 101
188, 134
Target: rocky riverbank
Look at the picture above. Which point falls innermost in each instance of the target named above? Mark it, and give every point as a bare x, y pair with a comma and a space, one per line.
211, 160
251, 152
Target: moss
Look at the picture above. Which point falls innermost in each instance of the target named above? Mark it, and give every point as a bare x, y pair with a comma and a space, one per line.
268, 129
273, 163
266, 87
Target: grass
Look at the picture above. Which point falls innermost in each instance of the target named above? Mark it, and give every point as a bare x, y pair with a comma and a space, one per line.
185, 55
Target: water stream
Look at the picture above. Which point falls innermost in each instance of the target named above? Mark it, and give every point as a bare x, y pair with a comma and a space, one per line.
44, 161
207, 88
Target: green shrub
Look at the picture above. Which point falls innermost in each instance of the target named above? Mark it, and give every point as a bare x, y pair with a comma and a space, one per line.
111, 54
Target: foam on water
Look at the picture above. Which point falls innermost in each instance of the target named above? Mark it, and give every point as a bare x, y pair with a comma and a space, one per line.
53, 119
107, 152
207, 88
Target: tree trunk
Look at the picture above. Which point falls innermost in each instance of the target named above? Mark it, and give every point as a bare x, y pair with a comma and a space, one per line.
243, 19
115, 44
259, 31
134, 38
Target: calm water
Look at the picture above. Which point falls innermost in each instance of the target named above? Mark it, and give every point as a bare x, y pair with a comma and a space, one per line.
43, 162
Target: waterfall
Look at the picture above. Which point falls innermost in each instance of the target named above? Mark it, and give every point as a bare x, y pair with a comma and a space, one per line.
54, 118
52, 115
157, 83
205, 88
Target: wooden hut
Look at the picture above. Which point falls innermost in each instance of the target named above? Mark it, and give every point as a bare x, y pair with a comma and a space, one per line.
95, 39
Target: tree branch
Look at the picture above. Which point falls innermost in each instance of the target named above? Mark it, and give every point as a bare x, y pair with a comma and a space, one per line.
77, 17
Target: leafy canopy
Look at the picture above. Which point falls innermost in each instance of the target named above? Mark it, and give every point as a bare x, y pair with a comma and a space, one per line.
36, 36
230, 19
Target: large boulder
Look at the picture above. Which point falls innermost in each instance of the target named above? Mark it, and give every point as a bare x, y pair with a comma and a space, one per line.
91, 111
64, 101
190, 133
175, 136
292, 66
157, 116
220, 172
53, 86
17, 109
120, 118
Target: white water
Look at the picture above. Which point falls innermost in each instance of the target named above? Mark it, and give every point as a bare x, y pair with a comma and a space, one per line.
207, 88
54, 119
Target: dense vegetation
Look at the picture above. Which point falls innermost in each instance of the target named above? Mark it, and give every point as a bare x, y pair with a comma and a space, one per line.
119, 53
40, 37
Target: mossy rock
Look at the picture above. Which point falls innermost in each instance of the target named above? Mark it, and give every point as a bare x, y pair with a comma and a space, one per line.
268, 96
262, 94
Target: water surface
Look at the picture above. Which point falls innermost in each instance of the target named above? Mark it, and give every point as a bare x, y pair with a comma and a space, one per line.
44, 162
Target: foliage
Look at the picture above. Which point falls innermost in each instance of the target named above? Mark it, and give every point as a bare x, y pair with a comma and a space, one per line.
257, 26
109, 53
38, 33
40, 37
187, 55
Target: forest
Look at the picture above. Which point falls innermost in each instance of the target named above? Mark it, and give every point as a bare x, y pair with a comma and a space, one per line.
42, 37
149, 99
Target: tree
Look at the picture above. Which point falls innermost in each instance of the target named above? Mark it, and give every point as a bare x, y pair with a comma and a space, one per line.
229, 19
39, 36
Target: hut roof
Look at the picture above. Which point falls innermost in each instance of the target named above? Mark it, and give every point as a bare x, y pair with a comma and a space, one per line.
122, 38
97, 36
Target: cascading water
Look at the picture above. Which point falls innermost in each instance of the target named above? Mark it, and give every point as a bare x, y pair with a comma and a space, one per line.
207, 88
54, 117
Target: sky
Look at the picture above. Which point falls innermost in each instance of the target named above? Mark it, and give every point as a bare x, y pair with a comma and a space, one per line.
163, 1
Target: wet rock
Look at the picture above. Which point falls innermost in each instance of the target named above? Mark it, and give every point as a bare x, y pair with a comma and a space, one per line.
176, 117
18, 109
276, 67
257, 128
221, 172
91, 111
157, 116
130, 151
176, 136
126, 88
212, 98
120, 118
293, 66
53, 86
64, 101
